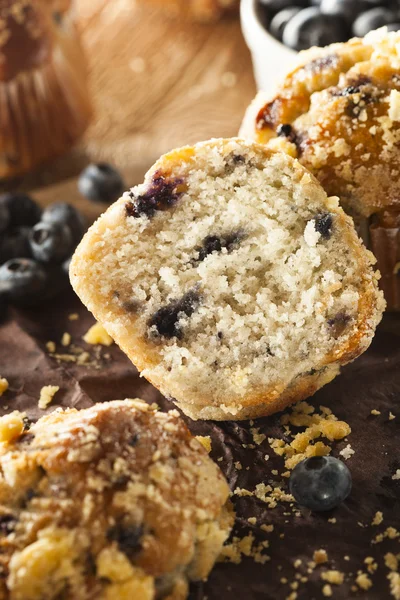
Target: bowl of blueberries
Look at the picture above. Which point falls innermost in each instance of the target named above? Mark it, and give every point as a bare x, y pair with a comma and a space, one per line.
275, 30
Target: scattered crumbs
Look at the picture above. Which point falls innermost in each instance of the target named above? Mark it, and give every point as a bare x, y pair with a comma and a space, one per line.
347, 557
266, 457
238, 465
205, 441
66, 339
375, 412
347, 452
267, 528
396, 475
252, 520
258, 437
245, 546
50, 346
97, 335
220, 458
292, 596
3, 385
334, 577
228, 79
11, 426
304, 445
282, 535
363, 581
285, 474
327, 590
297, 563
332, 520
274, 472
394, 579
284, 580
242, 492
391, 416
73, 317
320, 557
371, 564
83, 358
392, 561
378, 518
47, 394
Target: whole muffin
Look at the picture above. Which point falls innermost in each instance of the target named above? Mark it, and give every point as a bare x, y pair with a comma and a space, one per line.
338, 112
230, 280
199, 10
117, 501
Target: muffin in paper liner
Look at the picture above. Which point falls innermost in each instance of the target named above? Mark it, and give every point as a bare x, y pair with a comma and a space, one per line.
44, 100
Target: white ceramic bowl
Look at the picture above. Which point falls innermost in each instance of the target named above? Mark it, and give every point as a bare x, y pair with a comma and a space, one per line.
271, 59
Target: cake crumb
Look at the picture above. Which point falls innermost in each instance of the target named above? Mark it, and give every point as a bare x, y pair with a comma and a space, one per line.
50, 346
347, 452
205, 441
335, 577
3, 385
363, 581
375, 412
394, 579
267, 528
66, 339
238, 465
97, 335
320, 557
396, 475
47, 394
378, 518
391, 416
252, 520
332, 520
258, 437
391, 561
327, 590
73, 317
11, 426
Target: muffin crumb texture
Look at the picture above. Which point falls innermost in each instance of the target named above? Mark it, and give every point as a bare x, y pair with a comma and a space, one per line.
115, 501
231, 280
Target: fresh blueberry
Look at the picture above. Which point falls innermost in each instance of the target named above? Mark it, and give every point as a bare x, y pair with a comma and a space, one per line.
51, 242
62, 213
22, 209
15, 244
274, 6
311, 28
23, 280
4, 217
281, 19
320, 483
349, 9
372, 19
101, 183
393, 27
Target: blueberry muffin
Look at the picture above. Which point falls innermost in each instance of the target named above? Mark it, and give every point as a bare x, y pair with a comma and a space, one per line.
198, 10
117, 501
230, 279
338, 112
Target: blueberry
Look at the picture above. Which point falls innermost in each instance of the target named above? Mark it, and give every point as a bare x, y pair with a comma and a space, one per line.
22, 209
62, 213
349, 9
372, 19
51, 242
323, 225
23, 279
166, 319
320, 483
312, 28
393, 27
15, 244
280, 20
274, 6
101, 183
3, 306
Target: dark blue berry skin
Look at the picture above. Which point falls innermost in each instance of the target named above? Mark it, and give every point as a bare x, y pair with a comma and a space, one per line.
274, 6
15, 244
22, 209
51, 242
349, 9
3, 306
101, 183
23, 280
311, 28
372, 19
394, 26
280, 20
320, 483
4, 217
62, 213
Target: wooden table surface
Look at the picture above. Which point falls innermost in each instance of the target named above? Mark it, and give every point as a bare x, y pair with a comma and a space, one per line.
156, 83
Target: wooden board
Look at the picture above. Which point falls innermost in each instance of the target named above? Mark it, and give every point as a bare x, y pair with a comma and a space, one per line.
156, 83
